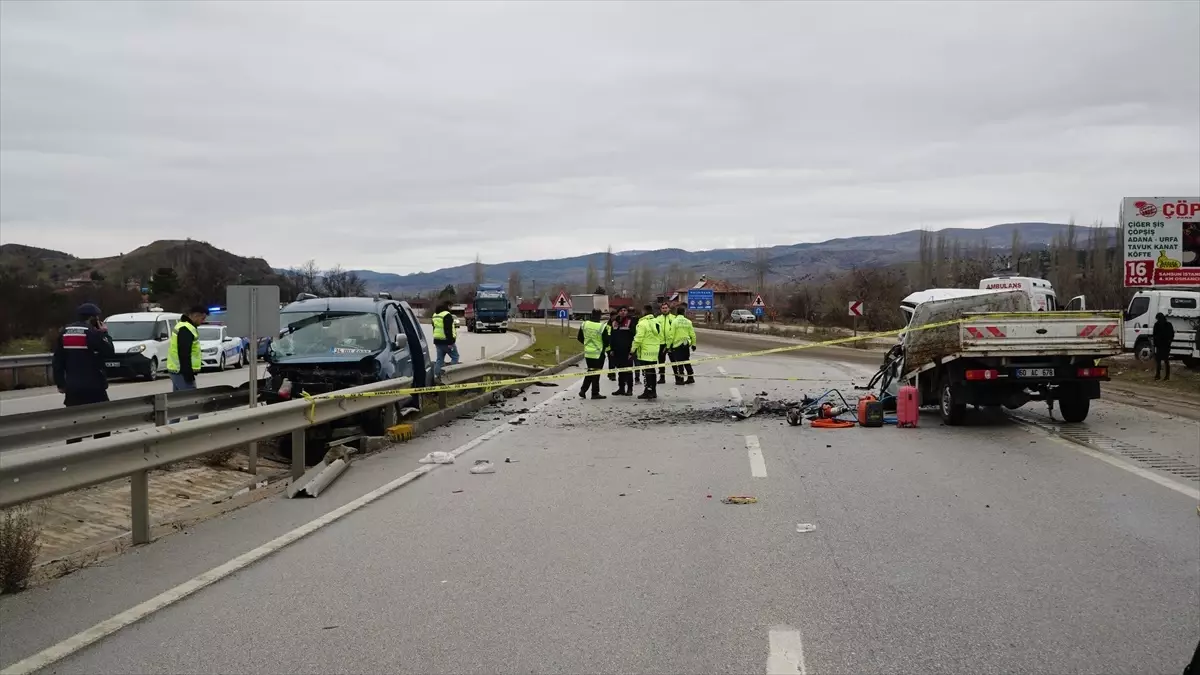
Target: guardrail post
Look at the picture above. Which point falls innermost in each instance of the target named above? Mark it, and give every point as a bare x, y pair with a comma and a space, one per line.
483, 352
298, 454
139, 485
16, 377
442, 401
532, 335
557, 356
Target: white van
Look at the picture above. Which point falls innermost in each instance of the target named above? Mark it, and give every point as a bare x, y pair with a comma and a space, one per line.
1041, 292
141, 340
1182, 309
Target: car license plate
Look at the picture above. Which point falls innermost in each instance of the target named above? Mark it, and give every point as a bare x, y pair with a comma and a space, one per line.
112, 364
1035, 372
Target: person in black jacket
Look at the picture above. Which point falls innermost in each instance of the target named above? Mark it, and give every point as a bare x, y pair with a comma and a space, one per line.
622, 328
1163, 336
78, 363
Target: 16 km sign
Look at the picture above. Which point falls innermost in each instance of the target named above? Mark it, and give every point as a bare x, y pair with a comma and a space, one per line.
1162, 241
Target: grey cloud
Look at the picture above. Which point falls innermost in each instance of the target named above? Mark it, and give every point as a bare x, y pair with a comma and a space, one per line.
407, 136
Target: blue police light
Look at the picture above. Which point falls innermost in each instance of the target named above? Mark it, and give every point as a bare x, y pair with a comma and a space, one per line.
213, 309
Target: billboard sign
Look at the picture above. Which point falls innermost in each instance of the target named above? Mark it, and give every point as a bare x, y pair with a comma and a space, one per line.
1162, 241
700, 299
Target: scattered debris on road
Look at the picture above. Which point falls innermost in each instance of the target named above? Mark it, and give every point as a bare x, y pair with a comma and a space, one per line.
455, 492
483, 466
437, 457
740, 499
805, 527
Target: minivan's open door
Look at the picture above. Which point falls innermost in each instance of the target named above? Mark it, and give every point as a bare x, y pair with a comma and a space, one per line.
1077, 304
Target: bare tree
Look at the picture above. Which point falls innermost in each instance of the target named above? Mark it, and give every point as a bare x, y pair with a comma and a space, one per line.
340, 283
308, 277
1014, 262
477, 270
762, 267
608, 269
514, 283
590, 282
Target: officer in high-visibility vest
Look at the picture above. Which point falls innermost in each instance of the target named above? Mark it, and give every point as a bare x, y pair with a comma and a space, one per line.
445, 336
647, 340
666, 323
683, 346
594, 335
183, 354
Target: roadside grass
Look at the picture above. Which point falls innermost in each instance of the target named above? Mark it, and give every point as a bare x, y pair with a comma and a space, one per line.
546, 339
20, 543
23, 346
1183, 379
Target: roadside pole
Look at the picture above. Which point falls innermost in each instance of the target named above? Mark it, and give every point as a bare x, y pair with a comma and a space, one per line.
252, 451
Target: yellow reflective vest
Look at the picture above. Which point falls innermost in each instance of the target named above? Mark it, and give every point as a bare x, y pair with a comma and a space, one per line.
439, 327
647, 339
594, 336
685, 332
173, 347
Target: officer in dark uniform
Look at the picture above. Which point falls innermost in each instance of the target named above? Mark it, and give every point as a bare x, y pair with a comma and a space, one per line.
79, 357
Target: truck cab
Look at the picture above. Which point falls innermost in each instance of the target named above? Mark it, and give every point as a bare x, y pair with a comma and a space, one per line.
1182, 309
489, 310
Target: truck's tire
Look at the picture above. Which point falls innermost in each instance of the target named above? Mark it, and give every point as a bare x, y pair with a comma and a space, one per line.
1074, 406
951, 410
1143, 350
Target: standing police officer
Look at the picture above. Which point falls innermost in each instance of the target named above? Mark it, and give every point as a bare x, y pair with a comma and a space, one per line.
79, 357
445, 336
684, 343
594, 336
666, 331
647, 341
183, 353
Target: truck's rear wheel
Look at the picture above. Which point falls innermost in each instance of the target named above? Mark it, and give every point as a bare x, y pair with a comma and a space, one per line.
1074, 406
952, 411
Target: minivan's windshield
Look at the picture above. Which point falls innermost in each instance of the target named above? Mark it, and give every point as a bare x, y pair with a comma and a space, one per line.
132, 331
312, 333
210, 333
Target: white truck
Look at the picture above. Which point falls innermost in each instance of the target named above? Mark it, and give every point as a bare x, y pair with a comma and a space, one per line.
582, 305
1182, 309
990, 348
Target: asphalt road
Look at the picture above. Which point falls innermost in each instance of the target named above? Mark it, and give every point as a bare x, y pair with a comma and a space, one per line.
604, 547
46, 398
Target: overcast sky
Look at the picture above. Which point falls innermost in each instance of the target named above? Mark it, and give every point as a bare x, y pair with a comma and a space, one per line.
403, 136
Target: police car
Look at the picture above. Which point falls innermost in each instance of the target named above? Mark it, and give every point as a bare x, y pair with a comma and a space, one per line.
219, 349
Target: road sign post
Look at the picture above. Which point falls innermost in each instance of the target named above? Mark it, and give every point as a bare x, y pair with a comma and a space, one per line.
562, 304
252, 311
856, 310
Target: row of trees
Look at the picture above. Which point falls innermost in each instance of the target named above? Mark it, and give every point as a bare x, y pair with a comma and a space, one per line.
335, 282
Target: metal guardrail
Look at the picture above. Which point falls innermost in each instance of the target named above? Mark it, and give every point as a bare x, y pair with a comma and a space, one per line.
18, 362
61, 424
27, 474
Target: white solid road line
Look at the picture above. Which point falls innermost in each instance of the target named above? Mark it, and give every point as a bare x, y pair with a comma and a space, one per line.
134, 614
1120, 464
758, 466
787, 652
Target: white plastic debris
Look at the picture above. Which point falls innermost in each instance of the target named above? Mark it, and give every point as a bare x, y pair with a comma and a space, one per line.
805, 527
483, 466
527, 357
437, 458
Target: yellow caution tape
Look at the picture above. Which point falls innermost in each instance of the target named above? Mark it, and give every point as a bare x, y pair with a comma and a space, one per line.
535, 379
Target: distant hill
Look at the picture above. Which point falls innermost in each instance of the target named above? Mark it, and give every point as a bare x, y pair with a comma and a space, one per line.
57, 268
788, 262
